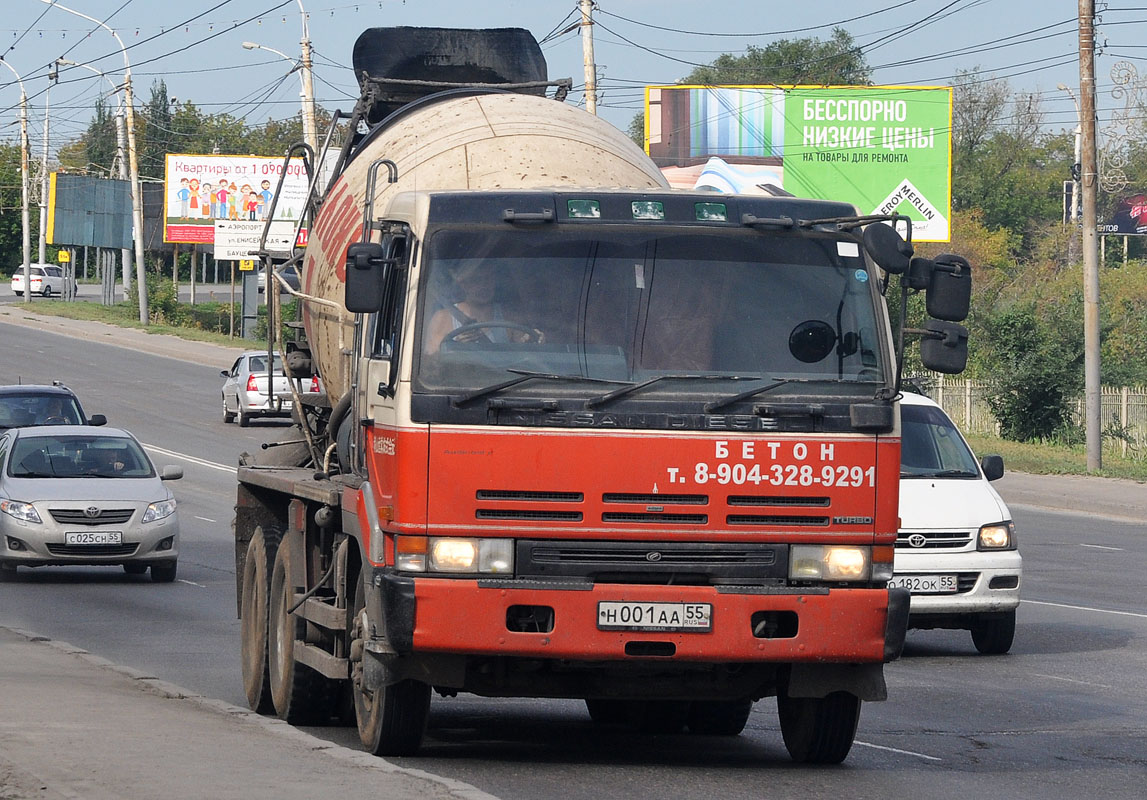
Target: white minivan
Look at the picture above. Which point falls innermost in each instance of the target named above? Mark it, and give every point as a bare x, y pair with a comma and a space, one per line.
956, 550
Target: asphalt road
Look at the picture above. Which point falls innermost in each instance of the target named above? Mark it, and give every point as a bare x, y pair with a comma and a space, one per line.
1063, 716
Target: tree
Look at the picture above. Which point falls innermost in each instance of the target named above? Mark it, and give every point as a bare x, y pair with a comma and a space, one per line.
11, 230
837, 61
1004, 162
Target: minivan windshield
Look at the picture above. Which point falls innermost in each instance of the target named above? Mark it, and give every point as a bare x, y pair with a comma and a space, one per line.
930, 445
627, 305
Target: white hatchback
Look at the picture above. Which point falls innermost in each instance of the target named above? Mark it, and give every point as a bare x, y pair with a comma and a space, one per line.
956, 551
46, 279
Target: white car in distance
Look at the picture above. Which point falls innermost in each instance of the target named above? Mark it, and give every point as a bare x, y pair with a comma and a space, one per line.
956, 551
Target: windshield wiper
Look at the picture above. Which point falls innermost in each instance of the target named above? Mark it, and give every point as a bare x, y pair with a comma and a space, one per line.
523, 376
601, 400
745, 395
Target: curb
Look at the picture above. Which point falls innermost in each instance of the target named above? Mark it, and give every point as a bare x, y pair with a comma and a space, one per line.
361, 759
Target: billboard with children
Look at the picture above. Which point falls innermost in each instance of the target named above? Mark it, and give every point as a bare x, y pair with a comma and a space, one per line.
201, 189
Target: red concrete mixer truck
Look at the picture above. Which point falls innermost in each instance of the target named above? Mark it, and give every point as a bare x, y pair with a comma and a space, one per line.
583, 436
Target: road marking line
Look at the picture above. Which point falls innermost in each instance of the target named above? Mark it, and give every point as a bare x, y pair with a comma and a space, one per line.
1071, 680
192, 583
1086, 608
1101, 547
897, 750
205, 519
192, 459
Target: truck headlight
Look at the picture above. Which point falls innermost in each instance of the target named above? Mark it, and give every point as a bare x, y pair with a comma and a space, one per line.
25, 512
158, 511
454, 554
814, 562
1000, 536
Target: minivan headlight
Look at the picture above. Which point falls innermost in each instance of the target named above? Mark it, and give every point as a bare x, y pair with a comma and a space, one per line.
998, 536
158, 511
811, 562
24, 512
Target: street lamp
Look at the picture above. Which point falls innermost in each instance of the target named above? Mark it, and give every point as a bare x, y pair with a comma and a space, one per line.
1074, 215
309, 135
133, 163
27, 240
121, 147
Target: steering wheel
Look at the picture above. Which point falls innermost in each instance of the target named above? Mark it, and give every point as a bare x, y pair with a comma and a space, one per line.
55, 420
465, 332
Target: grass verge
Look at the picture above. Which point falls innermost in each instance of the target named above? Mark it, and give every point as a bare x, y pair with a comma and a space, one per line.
1055, 459
126, 315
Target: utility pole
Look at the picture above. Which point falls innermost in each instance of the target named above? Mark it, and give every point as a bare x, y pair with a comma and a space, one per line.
310, 130
1089, 175
133, 164
587, 56
27, 236
52, 75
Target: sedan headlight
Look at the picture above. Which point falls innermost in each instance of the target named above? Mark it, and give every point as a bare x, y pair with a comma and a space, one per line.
813, 562
1000, 536
25, 512
158, 511
454, 554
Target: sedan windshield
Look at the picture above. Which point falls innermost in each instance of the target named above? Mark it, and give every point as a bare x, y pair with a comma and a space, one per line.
78, 457
18, 411
630, 305
931, 446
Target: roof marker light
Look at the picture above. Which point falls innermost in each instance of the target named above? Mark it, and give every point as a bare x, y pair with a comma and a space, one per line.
586, 209
648, 209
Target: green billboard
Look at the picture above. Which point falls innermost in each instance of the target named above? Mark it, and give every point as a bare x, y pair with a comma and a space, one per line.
881, 148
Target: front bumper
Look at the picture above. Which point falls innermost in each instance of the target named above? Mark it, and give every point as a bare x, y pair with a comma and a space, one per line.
473, 617
33, 545
990, 581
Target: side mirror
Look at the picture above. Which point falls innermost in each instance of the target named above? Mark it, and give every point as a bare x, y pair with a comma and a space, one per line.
366, 273
171, 473
944, 347
993, 467
950, 288
224, 373
887, 248
97, 419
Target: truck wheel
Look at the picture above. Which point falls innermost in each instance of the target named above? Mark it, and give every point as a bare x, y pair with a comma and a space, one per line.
296, 689
659, 716
993, 634
391, 720
819, 730
719, 717
607, 712
257, 568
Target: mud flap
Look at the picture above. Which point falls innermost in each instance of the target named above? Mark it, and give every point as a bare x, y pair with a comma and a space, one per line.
866, 681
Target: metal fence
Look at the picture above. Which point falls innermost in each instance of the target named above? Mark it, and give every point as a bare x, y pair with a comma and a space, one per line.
1124, 411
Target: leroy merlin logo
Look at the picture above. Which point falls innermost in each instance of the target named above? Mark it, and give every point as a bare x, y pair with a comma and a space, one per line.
934, 224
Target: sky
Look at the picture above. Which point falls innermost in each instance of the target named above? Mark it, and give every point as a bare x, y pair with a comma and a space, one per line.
195, 46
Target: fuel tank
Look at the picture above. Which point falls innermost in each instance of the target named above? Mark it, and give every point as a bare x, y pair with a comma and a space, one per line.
455, 141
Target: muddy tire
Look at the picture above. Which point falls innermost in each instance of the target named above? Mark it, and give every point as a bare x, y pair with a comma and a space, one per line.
297, 691
253, 620
392, 720
819, 730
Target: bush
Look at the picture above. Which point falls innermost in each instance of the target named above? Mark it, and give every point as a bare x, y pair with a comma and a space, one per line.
1037, 369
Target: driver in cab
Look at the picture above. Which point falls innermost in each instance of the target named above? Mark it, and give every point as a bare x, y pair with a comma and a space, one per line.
478, 315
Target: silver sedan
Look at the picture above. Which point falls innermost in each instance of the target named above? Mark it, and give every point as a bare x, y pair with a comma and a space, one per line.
73, 494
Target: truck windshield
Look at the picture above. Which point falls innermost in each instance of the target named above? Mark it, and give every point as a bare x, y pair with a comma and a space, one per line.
630, 304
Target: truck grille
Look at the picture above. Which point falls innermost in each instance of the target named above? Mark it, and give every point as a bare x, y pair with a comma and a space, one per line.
653, 562
756, 500
77, 516
663, 519
657, 499
777, 519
